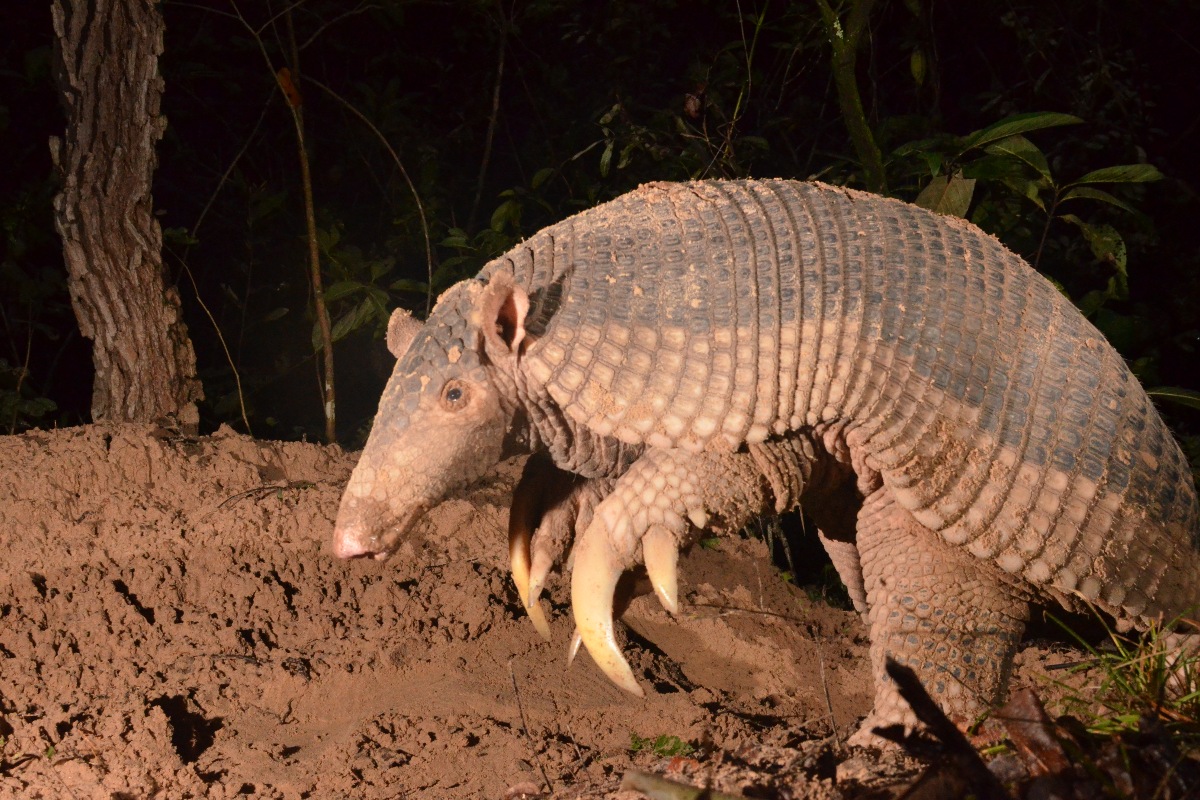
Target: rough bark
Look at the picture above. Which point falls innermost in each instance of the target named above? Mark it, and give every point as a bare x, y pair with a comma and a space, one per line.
106, 67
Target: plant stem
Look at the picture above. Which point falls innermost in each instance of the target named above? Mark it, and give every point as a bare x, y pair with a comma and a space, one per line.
295, 105
1037, 256
844, 42
492, 119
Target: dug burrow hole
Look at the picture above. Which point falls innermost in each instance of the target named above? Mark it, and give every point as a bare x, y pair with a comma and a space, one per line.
191, 732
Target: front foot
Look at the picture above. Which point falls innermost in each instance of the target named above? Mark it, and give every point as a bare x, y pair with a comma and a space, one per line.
549, 505
656, 508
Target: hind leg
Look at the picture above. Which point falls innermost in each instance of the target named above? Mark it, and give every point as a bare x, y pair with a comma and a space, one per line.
936, 609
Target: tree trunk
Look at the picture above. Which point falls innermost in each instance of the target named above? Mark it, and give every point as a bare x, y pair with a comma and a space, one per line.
106, 67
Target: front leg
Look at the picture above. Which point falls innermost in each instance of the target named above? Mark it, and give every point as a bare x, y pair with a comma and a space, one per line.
549, 505
658, 506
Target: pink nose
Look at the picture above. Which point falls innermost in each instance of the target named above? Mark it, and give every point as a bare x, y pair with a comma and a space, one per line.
367, 527
350, 541
345, 549
345, 546
354, 533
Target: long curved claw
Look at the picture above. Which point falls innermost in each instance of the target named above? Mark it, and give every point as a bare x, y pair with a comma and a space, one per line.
542, 563
661, 556
519, 535
598, 567
573, 650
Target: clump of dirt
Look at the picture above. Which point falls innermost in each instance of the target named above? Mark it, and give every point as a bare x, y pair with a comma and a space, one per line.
175, 625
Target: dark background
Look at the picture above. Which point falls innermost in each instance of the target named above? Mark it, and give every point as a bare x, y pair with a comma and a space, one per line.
592, 98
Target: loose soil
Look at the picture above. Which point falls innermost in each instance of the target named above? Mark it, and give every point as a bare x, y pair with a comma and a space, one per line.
173, 624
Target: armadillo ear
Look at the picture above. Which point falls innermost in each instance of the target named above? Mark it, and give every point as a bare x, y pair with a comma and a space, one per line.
402, 329
503, 307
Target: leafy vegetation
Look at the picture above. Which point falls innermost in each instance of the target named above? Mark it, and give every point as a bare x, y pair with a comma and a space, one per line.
662, 746
439, 135
1155, 675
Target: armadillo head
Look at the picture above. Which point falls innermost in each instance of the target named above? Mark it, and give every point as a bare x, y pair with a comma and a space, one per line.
443, 416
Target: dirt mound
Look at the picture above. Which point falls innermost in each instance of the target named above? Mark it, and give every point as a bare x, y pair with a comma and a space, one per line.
176, 626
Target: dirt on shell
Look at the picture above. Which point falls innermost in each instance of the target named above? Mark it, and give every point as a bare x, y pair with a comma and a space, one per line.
173, 624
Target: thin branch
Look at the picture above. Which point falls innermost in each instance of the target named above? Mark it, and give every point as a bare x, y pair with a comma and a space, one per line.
286, 11
237, 378
491, 131
828, 697
22, 374
295, 104
747, 86
403, 172
1037, 257
362, 9
207, 9
183, 258
229, 170
286, 82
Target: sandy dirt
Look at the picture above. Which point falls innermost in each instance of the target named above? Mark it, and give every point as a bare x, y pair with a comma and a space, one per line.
173, 624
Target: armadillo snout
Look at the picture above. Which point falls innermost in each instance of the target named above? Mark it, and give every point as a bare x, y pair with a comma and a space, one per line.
356, 532
350, 541
367, 527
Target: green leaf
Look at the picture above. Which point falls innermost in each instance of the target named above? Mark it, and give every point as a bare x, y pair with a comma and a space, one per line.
1107, 245
1088, 193
507, 212
1126, 173
947, 195
934, 161
606, 158
668, 746
756, 142
919, 146
408, 285
663, 746
917, 66
278, 313
379, 303
1023, 150
1022, 187
351, 321
541, 176
261, 206
626, 154
179, 237
341, 289
328, 238
1175, 394
1018, 123
997, 167
344, 325
381, 267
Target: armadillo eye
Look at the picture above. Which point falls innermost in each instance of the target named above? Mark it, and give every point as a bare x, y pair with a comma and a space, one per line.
454, 396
